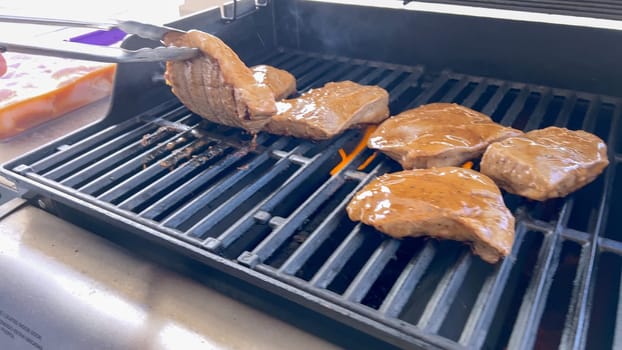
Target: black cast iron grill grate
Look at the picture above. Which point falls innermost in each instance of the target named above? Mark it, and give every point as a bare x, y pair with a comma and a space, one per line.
277, 211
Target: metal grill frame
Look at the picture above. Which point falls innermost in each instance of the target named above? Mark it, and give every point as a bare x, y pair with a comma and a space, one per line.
250, 263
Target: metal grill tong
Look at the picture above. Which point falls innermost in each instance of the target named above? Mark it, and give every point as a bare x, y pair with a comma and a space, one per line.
99, 53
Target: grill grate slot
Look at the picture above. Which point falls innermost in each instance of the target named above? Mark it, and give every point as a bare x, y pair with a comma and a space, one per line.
613, 228
306, 67
309, 79
291, 63
481, 318
310, 224
538, 114
469, 89
172, 200
553, 112
338, 259
345, 273
511, 297
286, 227
231, 234
438, 307
357, 73
395, 267
603, 314
318, 81
114, 160
552, 323
281, 58
315, 251
278, 211
391, 80
578, 114
575, 330
466, 297
485, 97
448, 255
270, 180
451, 95
265, 172
97, 153
492, 104
533, 305
175, 178
408, 280
295, 262
370, 271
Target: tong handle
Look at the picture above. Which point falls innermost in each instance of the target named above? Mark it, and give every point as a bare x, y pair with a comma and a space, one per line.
101, 53
56, 22
143, 30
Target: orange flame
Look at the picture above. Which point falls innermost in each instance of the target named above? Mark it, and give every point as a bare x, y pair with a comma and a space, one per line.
367, 161
347, 158
468, 165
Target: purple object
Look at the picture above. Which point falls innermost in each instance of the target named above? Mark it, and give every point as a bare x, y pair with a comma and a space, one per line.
100, 37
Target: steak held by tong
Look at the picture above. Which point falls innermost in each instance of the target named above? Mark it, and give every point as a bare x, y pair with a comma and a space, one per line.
446, 203
328, 111
546, 163
281, 82
217, 85
436, 135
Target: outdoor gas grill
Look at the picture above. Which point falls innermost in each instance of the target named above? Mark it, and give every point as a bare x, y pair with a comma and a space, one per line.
274, 216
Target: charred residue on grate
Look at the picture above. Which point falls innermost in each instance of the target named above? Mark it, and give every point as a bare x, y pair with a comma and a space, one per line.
169, 148
190, 148
117, 161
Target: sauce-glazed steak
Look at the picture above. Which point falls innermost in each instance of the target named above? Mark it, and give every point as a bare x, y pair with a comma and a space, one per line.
446, 203
217, 85
436, 135
546, 163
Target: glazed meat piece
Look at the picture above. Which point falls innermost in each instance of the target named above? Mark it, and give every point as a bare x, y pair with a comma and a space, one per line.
217, 85
446, 203
436, 135
546, 163
328, 111
281, 82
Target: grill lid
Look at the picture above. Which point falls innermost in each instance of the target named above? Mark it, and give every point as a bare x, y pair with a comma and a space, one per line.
275, 216
592, 8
